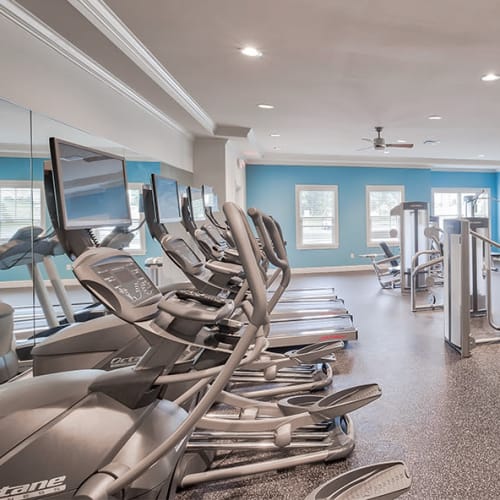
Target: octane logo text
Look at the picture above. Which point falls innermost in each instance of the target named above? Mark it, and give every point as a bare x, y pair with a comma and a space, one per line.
32, 490
120, 362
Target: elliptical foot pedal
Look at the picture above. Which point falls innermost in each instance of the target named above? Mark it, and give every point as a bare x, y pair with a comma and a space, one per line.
332, 406
382, 481
316, 353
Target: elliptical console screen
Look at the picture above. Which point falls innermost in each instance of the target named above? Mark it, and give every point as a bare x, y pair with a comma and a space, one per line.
127, 279
198, 211
91, 187
210, 199
182, 193
166, 199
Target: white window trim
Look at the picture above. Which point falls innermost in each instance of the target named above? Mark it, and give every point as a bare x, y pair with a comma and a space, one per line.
487, 192
384, 187
298, 225
25, 184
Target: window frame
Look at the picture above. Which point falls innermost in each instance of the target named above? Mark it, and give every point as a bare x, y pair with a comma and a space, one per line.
299, 241
459, 191
373, 188
28, 184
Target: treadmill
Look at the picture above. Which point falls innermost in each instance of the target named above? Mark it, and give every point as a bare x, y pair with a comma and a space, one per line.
311, 324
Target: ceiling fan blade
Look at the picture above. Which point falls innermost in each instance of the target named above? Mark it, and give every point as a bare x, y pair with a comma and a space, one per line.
408, 146
366, 139
364, 149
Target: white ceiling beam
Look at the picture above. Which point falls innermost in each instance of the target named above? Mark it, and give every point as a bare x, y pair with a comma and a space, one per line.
110, 25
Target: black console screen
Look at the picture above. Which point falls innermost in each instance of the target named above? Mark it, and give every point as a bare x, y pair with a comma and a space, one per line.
127, 279
92, 186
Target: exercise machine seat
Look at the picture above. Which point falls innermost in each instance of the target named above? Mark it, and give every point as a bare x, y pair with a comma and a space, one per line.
388, 253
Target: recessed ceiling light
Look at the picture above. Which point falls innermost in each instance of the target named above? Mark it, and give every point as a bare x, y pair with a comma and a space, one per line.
401, 141
251, 51
435, 117
265, 106
275, 135
432, 142
480, 156
386, 152
276, 148
490, 77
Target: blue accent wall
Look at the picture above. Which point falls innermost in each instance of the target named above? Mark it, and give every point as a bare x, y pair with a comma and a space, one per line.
15, 169
20, 169
272, 189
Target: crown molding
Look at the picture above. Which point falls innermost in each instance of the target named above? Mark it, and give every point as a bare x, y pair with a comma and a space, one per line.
41, 151
17, 14
366, 161
111, 26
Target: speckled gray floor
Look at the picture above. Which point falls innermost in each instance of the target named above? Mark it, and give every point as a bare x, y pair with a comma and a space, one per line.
438, 413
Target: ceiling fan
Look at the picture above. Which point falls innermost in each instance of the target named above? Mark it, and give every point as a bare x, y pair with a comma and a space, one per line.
380, 144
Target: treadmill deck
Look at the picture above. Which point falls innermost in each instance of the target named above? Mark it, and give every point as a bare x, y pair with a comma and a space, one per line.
311, 331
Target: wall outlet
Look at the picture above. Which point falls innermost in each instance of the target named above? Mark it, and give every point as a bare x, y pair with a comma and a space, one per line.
69, 267
353, 255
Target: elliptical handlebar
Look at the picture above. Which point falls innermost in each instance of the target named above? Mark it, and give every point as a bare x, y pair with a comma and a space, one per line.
244, 243
258, 318
270, 237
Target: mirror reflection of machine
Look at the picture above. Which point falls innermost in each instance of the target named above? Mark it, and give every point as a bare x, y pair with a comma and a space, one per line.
411, 218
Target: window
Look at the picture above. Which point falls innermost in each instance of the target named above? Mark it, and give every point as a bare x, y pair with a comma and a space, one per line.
138, 244
316, 216
455, 202
20, 206
379, 202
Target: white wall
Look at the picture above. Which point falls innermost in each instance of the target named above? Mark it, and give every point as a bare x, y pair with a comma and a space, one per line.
210, 165
39, 78
216, 164
235, 176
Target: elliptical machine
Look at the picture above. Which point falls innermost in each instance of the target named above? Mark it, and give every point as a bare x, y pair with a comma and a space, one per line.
123, 436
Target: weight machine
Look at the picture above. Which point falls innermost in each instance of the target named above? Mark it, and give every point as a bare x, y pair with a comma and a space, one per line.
468, 283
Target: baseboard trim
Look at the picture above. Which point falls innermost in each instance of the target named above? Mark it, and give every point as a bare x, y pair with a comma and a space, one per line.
331, 269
